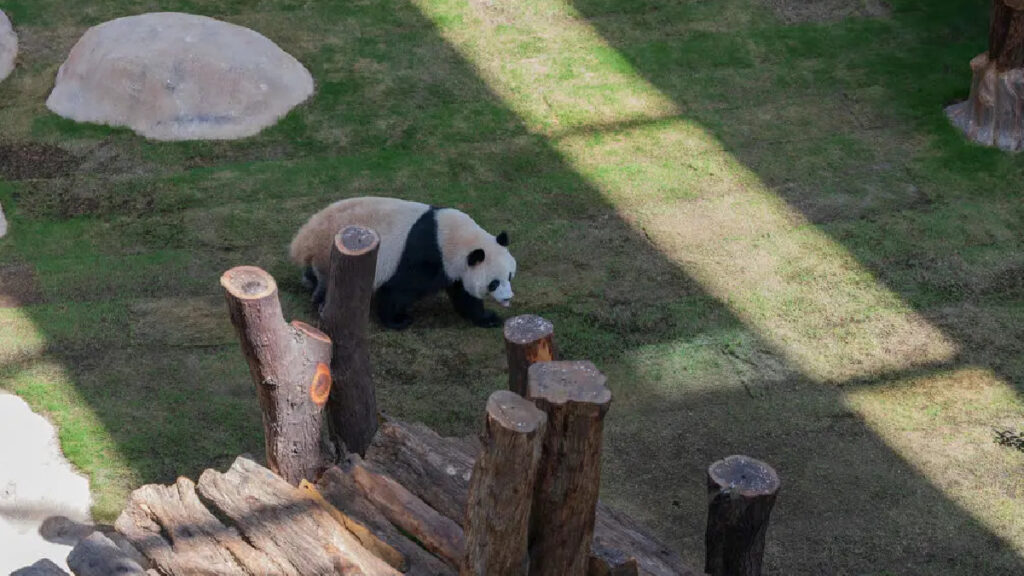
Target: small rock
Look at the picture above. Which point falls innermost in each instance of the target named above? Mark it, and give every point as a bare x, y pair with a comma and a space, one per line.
3, 222
173, 76
8, 47
42, 568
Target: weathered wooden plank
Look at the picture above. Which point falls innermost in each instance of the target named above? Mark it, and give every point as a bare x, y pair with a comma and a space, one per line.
282, 521
437, 469
340, 489
619, 542
439, 534
366, 537
171, 527
97, 555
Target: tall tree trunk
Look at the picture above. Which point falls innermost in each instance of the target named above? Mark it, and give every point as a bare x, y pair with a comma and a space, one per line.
993, 115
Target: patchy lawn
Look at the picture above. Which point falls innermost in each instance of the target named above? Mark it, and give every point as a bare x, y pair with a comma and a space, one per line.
751, 214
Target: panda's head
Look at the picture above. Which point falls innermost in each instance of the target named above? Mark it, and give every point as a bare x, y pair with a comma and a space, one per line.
490, 271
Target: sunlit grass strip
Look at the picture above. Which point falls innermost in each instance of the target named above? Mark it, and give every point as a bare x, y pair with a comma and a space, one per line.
798, 288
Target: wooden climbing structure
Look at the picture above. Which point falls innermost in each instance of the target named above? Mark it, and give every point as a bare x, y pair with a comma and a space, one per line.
350, 491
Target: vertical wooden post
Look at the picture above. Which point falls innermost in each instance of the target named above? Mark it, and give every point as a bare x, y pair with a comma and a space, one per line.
288, 364
575, 399
741, 493
501, 488
528, 339
352, 407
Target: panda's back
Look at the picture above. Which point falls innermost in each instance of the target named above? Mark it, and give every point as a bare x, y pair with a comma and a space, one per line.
391, 218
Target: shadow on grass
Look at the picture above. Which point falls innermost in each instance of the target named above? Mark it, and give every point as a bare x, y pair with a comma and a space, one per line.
135, 360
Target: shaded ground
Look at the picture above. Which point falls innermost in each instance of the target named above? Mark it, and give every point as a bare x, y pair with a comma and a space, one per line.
766, 234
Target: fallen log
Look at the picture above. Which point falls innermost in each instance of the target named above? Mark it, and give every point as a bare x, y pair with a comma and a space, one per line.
283, 522
340, 489
172, 528
439, 534
97, 555
501, 488
365, 535
289, 367
438, 470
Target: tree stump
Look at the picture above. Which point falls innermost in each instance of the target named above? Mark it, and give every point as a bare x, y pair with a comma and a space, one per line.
993, 114
575, 399
289, 365
741, 493
352, 407
501, 490
528, 339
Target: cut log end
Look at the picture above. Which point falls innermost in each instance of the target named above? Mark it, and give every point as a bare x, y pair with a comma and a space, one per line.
527, 328
513, 412
562, 382
745, 476
310, 331
320, 389
356, 240
248, 283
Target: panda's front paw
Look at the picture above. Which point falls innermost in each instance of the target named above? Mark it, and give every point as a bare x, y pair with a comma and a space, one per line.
488, 320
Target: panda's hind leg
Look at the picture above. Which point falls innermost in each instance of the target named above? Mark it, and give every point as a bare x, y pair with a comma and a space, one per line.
392, 307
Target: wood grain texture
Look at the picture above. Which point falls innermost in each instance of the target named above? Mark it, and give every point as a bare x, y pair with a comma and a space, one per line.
501, 488
282, 521
528, 339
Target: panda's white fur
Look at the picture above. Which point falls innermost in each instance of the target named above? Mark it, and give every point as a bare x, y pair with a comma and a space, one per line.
457, 236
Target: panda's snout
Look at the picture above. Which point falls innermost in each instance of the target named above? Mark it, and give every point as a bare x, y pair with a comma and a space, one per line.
506, 303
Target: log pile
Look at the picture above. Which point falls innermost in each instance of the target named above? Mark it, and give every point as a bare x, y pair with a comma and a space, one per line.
385, 497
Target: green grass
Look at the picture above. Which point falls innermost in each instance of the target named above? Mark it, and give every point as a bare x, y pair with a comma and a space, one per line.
767, 235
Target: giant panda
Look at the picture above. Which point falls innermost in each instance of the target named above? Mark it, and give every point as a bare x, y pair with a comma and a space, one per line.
423, 249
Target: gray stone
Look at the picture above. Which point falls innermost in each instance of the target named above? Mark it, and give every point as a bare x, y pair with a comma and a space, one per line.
8, 46
173, 76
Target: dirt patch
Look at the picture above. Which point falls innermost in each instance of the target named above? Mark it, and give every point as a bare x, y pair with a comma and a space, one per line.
28, 160
19, 286
800, 11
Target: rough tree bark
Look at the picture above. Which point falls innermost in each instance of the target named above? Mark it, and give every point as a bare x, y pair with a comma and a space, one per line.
439, 534
352, 407
528, 339
501, 490
289, 365
575, 398
993, 114
283, 522
741, 493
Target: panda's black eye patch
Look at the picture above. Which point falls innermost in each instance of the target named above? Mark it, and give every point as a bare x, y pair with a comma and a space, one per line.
493, 286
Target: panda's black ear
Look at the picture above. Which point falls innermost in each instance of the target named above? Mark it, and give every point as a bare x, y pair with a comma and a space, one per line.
502, 238
476, 257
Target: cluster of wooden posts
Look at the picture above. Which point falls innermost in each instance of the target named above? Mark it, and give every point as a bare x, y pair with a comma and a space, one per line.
392, 497
533, 493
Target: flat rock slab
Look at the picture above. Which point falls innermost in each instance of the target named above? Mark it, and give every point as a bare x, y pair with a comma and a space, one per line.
173, 76
36, 484
8, 46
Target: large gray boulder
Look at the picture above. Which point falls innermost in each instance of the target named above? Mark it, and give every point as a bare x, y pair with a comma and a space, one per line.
8, 46
172, 76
